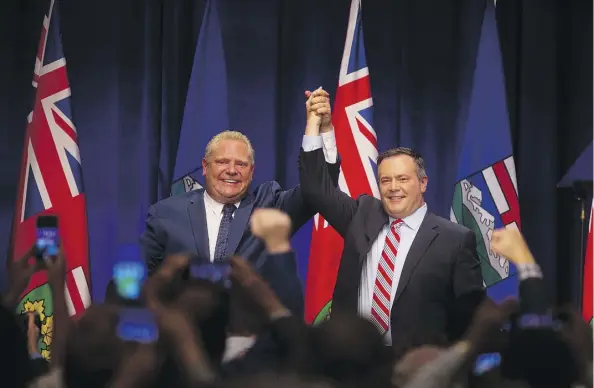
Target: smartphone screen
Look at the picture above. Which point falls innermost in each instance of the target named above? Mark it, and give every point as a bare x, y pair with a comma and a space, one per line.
47, 242
128, 277
216, 273
136, 323
486, 362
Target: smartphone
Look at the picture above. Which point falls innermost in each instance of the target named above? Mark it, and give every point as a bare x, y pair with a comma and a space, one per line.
48, 242
129, 277
136, 323
214, 272
486, 362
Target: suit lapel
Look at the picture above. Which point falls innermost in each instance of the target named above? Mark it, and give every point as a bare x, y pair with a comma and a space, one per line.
239, 223
425, 236
377, 220
197, 214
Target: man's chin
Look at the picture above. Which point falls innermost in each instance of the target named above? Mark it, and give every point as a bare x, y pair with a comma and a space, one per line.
394, 212
232, 197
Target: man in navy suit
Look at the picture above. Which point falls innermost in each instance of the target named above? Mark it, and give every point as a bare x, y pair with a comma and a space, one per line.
212, 223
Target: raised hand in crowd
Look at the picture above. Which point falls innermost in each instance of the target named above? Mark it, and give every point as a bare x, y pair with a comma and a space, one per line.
510, 243
488, 321
257, 289
19, 276
273, 227
175, 323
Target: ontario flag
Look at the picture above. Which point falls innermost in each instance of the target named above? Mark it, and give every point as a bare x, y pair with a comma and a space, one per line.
355, 137
588, 285
486, 195
51, 183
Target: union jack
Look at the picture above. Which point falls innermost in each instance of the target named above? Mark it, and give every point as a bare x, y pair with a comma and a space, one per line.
352, 120
51, 172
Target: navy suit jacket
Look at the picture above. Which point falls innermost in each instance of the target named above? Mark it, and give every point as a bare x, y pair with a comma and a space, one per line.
177, 224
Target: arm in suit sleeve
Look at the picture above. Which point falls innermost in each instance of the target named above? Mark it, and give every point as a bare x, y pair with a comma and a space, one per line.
320, 190
288, 329
292, 201
467, 285
151, 241
279, 270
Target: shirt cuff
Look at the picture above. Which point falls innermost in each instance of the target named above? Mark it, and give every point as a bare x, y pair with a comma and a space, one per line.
527, 271
311, 143
330, 150
327, 141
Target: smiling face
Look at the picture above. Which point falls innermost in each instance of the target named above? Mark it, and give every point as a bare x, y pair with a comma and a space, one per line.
401, 188
228, 170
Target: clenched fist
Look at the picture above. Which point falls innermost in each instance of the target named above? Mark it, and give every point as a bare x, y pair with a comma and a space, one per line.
318, 109
274, 227
510, 243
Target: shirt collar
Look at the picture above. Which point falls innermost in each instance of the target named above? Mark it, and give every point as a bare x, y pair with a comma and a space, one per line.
214, 206
415, 219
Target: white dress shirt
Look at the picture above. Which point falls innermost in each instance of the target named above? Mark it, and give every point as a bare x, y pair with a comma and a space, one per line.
408, 232
214, 216
214, 209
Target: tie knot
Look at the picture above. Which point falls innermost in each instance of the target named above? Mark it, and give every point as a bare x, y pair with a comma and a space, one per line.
397, 223
228, 209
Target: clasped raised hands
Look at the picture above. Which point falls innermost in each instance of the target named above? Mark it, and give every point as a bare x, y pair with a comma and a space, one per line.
317, 108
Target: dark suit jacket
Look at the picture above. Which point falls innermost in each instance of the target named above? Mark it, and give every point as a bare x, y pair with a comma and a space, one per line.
178, 225
441, 283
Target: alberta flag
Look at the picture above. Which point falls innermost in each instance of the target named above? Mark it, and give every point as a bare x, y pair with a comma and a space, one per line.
486, 194
205, 113
51, 183
355, 137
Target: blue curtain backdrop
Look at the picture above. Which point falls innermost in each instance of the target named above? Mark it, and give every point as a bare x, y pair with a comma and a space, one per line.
130, 61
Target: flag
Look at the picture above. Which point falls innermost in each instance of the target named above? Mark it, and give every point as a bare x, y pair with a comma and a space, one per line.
588, 285
486, 192
51, 182
205, 113
355, 137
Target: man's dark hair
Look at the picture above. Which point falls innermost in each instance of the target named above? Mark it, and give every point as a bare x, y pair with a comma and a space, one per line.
418, 159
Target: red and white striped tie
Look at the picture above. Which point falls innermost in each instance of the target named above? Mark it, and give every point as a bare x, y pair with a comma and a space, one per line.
382, 291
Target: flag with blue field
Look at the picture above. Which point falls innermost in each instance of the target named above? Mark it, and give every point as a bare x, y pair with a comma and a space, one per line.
486, 192
206, 112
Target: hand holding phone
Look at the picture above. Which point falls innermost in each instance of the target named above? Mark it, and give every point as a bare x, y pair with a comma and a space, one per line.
48, 242
128, 277
136, 323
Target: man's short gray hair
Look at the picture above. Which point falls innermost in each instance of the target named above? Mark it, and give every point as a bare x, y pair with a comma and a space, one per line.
229, 135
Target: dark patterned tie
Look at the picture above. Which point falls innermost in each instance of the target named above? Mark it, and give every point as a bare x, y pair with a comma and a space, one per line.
220, 254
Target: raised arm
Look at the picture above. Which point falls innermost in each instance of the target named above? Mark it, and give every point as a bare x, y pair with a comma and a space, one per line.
318, 187
317, 136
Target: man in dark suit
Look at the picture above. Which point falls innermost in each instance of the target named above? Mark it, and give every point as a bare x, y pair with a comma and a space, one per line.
410, 272
212, 223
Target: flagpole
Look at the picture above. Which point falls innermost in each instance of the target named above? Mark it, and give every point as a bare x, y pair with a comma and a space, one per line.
582, 252
580, 194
